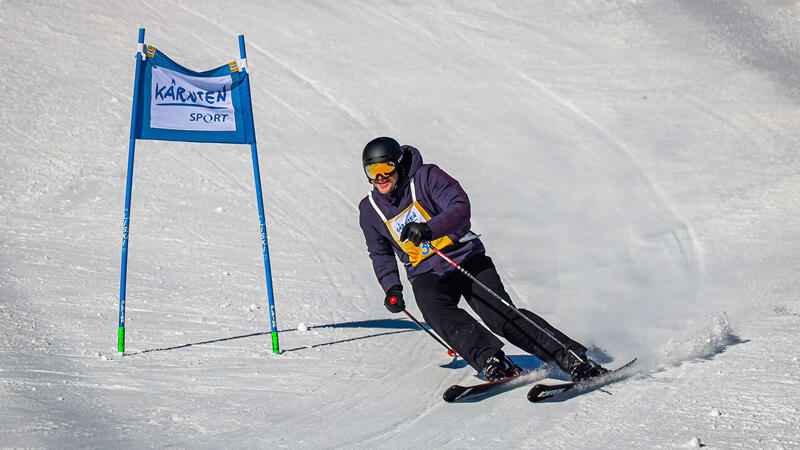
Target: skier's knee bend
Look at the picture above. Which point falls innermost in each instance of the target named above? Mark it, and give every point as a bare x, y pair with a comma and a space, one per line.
514, 320
514, 331
497, 328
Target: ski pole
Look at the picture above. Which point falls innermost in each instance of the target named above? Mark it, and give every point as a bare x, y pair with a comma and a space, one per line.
505, 302
450, 351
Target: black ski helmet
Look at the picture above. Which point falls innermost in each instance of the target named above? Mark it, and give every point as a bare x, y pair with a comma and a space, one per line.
382, 149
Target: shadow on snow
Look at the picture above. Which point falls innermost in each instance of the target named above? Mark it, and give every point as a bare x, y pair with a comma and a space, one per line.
400, 325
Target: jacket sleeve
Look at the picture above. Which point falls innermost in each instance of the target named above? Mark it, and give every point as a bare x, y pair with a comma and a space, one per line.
380, 250
454, 218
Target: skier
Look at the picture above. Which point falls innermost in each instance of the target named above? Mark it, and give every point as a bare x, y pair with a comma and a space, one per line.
414, 205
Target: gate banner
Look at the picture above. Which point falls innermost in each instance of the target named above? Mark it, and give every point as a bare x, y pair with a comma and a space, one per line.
178, 104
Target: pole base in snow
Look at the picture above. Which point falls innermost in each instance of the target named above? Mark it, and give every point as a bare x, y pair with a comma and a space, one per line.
275, 348
121, 340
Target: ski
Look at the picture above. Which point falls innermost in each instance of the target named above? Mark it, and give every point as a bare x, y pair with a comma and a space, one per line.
458, 392
541, 392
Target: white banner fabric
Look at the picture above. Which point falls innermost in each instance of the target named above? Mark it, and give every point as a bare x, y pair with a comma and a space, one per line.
183, 102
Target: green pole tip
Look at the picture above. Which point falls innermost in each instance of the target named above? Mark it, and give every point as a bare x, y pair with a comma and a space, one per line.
121, 340
275, 347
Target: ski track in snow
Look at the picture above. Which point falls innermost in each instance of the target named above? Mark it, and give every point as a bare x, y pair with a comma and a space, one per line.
307, 80
615, 143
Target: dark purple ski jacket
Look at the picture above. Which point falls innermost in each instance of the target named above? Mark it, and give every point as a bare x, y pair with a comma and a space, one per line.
442, 197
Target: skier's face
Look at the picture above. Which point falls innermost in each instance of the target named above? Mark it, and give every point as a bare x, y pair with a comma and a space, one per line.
384, 185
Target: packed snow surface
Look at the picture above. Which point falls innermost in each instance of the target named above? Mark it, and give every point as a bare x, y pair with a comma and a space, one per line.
633, 169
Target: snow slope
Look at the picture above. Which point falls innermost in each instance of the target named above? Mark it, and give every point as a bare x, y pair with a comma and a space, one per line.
632, 165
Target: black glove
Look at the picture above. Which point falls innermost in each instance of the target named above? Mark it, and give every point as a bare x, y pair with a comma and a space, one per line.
416, 233
394, 299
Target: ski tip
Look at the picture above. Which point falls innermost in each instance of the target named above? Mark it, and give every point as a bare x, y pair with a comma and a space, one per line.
542, 392
453, 393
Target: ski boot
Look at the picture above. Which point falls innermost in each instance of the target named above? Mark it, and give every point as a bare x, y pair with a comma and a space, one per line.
498, 367
587, 369
578, 366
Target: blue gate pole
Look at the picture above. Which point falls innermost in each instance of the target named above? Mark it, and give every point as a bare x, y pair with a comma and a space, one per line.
264, 245
128, 187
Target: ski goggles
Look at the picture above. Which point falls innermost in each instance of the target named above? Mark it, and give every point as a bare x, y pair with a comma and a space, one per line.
384, 169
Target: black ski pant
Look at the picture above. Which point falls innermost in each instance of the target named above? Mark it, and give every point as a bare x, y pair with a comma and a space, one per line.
438, 297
